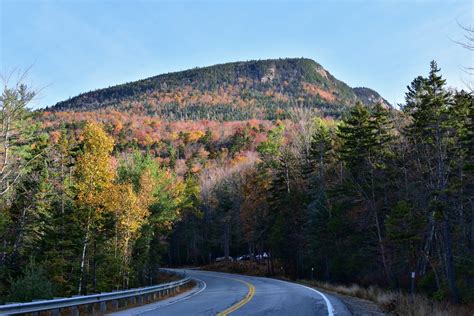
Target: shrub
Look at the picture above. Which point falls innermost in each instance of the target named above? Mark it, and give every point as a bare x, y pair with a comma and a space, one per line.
33, 284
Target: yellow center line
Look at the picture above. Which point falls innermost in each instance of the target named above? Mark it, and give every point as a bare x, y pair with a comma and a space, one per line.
241, 303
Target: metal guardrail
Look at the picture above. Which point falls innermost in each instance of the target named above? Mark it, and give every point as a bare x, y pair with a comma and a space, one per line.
139, 295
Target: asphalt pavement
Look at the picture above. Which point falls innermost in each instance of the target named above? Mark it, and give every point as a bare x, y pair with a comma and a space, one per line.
233, 294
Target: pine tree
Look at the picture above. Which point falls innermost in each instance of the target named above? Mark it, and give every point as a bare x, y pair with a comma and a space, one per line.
363, 150
315, 157
15, 123
432, 137
319, 210
355, 135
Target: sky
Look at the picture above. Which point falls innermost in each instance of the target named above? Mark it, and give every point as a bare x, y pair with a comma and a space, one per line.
75, 46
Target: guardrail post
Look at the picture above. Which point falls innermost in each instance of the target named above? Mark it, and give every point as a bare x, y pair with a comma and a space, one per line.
103, 307
74, 311
115, 304
90, 308
55, 312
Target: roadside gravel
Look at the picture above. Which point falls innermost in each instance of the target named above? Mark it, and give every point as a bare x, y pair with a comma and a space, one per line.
358, 306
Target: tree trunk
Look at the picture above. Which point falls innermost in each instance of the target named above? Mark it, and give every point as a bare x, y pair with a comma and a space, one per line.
382, 248
450, 261
326, 268
83, 261
94, 268
472, 224
427, 245
226, 240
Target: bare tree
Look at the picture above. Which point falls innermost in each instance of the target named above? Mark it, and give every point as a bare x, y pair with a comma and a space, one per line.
468, 43
302, 133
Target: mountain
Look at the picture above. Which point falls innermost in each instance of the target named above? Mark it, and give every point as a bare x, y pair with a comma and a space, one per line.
263, 89
369, 96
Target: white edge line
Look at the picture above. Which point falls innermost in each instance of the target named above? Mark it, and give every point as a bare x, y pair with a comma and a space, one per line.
179, 300
328, 302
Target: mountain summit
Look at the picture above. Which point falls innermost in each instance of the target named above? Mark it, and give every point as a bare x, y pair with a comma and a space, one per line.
263, 89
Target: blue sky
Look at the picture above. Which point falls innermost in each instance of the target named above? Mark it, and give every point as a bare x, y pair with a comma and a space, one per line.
77, 46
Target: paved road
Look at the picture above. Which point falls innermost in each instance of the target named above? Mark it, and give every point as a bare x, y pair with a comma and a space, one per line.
232, 294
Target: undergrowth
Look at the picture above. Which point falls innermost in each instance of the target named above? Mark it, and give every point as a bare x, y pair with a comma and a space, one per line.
397, 303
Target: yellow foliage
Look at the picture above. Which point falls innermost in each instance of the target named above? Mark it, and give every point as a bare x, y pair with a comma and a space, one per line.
195, 135
146, 189
173, 136
130, 213
94, 173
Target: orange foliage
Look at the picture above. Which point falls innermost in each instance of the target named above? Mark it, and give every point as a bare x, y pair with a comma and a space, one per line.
316, 90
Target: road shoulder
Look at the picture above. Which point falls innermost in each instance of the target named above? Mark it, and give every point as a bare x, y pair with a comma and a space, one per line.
355, 305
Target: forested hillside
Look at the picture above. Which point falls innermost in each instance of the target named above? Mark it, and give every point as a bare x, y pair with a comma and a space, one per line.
263, 89
97, 199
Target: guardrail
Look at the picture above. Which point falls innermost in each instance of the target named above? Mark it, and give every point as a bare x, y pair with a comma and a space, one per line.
57, 307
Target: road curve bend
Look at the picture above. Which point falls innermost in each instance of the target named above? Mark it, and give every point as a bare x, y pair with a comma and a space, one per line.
234, 294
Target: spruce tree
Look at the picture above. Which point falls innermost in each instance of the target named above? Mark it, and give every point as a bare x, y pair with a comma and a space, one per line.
432, 137
364, 141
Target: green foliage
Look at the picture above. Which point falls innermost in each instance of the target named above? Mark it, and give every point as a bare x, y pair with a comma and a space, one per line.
233, 91
356, 136
270, 149
362, 200
33, 284
15, 134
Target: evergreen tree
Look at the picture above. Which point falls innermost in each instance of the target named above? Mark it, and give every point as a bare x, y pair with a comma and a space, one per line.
364, 145
432, 138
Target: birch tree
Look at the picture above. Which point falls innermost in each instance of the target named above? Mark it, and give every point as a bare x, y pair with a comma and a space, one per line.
94, 176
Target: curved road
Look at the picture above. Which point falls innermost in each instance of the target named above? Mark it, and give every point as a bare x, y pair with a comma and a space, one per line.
232, 294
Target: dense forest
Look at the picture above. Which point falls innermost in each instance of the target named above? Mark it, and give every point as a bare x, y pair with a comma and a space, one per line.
263, 89
93, 200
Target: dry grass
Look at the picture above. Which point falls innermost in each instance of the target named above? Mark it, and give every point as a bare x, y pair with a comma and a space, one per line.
396, 303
